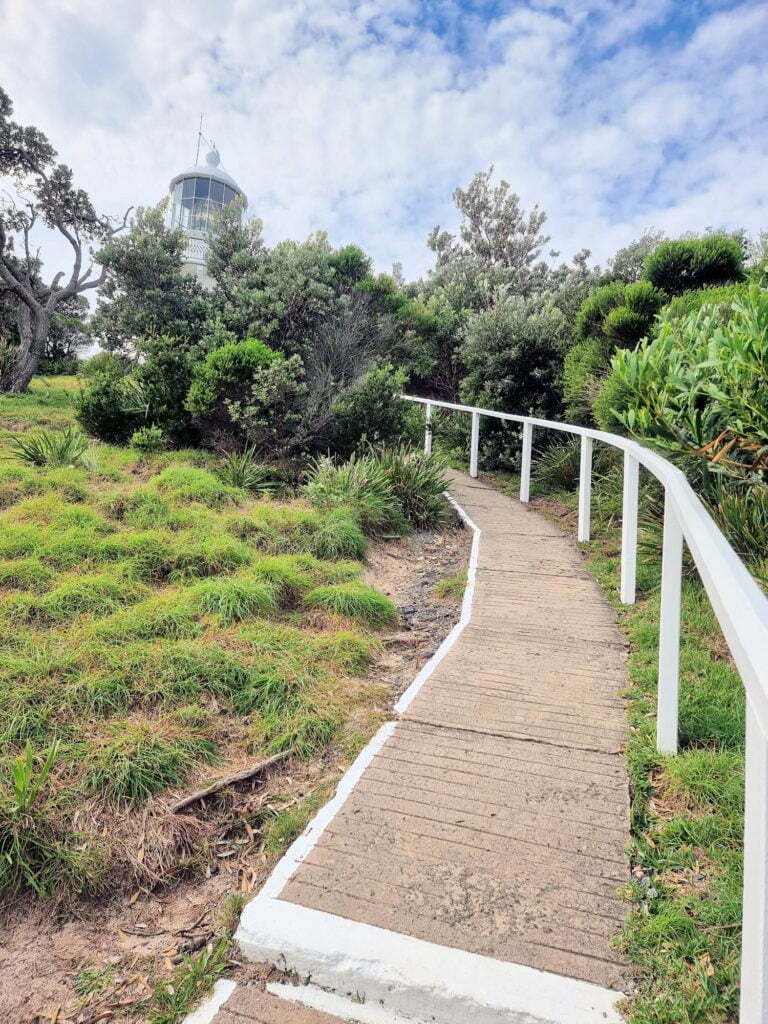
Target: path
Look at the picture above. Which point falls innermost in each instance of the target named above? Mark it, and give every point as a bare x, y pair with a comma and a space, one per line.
492, 818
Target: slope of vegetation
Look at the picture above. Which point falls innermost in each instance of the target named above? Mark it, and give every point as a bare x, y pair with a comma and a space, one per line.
156, 623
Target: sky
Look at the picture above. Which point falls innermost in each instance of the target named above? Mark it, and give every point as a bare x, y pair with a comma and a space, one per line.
360, 117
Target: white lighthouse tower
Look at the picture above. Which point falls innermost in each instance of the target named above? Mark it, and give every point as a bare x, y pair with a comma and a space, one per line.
197, 195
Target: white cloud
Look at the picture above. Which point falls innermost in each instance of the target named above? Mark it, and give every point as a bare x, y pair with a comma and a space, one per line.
362, 117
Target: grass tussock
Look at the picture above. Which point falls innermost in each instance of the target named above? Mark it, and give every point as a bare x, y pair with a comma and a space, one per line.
159, 614
354, 601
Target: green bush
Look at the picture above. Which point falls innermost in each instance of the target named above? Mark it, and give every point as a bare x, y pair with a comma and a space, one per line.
370, 412
103, 362
609, 404
699, 389
149, 440
583, 367
692, 301
681, 265
594, 310
225, 375
240, 469
59, 367
110, 407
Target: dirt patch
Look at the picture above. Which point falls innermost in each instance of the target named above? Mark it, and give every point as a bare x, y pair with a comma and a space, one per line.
131, 943
408, 571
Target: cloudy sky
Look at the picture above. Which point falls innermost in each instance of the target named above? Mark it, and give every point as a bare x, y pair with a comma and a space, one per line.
362, 117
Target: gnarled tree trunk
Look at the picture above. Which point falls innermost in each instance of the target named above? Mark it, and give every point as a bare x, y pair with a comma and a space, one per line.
33, 332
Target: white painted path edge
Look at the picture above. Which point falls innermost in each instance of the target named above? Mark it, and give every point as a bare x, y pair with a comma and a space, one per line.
416, 980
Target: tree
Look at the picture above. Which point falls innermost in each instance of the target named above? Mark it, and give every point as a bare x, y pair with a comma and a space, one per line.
144, 291
494, 232
45, 194
69, 330
629, 263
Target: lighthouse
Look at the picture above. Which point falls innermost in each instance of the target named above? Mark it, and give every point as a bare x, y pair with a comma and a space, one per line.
197, 196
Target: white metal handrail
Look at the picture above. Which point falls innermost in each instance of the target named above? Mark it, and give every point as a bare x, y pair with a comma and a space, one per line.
741, 609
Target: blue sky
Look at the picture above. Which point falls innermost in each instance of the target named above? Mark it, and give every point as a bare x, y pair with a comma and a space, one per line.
360, 117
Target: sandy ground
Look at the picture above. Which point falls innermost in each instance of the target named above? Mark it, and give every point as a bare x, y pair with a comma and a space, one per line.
137, 939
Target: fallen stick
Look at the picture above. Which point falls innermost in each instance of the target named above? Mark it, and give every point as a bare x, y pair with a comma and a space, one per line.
229, 780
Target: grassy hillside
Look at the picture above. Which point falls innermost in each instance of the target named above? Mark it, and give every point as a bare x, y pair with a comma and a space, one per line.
157, 625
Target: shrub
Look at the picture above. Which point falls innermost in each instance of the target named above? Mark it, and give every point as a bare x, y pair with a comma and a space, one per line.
594, 310
699, 389
418, 482
610, 403
371, 411
225, 375
103, 362
684, 264
149, 440
692, 301
50, 448
359, 485
111, 407
355, 601
582, 368
58, 367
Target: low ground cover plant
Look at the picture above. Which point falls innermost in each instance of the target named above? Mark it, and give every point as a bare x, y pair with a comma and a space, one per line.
161, 612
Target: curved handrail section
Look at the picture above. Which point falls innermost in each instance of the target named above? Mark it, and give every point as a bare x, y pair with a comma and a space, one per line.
741, 608
740, 605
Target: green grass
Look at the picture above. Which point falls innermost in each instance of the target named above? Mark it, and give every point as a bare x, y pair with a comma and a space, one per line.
192, 980
354, 601
141, 757
687, 810
291, 822
235, 599
152, 622
452, 587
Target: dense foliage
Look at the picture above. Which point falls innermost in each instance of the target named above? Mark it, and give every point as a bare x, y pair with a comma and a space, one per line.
699, 388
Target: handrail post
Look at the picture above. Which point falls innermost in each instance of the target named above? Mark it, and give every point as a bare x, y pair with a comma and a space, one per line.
428, 429
585, 488
629, 529
525, 463
474, 444
754, 970
669, 632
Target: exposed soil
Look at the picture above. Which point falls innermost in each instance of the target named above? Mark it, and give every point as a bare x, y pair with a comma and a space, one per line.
137, 940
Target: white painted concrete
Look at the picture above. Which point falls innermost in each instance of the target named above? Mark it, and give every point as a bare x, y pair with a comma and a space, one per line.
348, 1009
205, 1013
405, 978
417, 980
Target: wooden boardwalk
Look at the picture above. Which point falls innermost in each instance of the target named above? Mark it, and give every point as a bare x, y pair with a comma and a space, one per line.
495, 817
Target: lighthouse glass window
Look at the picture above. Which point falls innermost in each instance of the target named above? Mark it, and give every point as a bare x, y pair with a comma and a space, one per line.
196, 202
